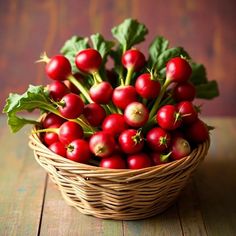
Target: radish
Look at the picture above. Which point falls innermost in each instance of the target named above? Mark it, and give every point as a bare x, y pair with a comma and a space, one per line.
178, 70
101, 93
94, 114
58, 148
52, 119
197, 132
185, 91
132, 60
131, 141
147, 87
180, 148
187, 112
138, 161
69, 131
123, 96
71, 106
78, 150
168, 117
113, 162
114, 124
102, 144
159, 158
136, 114
57, 90
158, 139
51, 137
57, 68
88, 61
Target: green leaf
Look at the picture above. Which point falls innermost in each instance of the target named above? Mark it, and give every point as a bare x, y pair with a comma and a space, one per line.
129, 33
16, 122
157, 47
34, 98
207, 90
199, 75
72, 47
166, 55
101, 45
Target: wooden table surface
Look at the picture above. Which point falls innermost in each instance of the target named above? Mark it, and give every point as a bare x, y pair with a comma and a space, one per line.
30, 204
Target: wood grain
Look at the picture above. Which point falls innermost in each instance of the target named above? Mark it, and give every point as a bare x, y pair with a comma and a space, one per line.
205, 28
163, 224
61, 219
216, 181
21, 185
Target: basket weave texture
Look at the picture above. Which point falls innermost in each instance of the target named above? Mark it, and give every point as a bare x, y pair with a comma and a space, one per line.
118, 194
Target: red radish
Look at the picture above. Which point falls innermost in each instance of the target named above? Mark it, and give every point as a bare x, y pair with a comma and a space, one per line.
101, 93
57, 90
114, 124
88, 60
78, 150
187, 112
69, 131
113, 162
136, 114
146, 87
178, 70
131, 141
58, 148
134, 59
159, 158
51, 137
123, 96
158, 139
197, 132
71, 106
168, 117
52, 119
179, 148
102, 144
58, 67
94, 114
184, 92
139, 161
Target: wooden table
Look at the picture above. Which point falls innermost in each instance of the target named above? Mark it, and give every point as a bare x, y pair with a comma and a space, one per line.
31, 205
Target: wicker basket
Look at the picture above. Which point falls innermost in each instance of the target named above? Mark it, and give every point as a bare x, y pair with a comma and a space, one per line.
117, 194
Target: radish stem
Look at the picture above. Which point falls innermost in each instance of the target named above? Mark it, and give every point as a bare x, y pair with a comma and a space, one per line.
129, 75
157, 102
82, 89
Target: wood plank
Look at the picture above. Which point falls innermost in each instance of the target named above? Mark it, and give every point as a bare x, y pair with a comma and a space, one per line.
166, 223
190, 212
21, 184
61, 219
216, 180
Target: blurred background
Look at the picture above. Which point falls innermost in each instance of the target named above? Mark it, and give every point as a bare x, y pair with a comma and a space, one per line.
205, 28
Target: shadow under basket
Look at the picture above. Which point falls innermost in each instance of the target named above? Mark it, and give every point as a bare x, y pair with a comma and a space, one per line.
118, 194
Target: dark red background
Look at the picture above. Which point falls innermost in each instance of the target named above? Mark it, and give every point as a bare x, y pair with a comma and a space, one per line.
206, 29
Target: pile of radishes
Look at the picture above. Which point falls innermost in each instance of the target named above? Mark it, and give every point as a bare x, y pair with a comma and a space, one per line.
117, 127
137, 114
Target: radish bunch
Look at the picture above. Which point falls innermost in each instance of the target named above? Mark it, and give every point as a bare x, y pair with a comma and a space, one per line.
138, 114
115, 125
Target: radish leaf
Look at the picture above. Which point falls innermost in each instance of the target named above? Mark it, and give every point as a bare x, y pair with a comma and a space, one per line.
36, 97
129, 33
